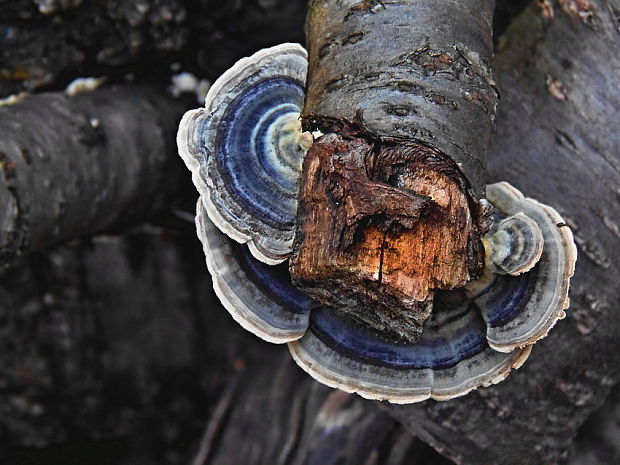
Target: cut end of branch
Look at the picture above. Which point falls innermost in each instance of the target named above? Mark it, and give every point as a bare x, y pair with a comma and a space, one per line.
382, 226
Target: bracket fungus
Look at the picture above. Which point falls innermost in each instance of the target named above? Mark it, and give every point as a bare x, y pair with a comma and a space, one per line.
259, 297
246, 149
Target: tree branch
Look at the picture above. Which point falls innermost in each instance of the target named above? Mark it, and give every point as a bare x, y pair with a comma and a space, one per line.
389, 200
73, 166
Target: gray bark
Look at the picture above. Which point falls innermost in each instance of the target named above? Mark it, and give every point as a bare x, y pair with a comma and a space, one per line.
403, 70
73, 166
598, 441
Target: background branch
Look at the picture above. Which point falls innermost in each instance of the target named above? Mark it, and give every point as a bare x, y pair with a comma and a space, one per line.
139, 38
74, 166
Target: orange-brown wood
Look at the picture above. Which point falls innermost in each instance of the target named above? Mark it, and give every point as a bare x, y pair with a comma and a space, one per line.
379, 231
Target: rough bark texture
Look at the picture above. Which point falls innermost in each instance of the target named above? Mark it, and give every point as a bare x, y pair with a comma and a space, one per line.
397, 109
556, 141
73, 166
411, 69
598, 441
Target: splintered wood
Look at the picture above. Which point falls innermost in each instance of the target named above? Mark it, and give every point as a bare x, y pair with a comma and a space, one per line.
380, 228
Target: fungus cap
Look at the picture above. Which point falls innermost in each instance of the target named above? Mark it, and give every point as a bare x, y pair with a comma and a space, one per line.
451, 358
260, 298
245, 149
516, 245
520, 310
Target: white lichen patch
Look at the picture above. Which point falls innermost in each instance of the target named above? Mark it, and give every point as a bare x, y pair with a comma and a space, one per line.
84, 84
188, 83
13, 99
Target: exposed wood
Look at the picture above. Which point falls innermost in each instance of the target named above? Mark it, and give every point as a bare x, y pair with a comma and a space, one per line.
380, 228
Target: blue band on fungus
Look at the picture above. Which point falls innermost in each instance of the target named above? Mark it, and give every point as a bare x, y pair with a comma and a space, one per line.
506, 298
256, 179
336, 369
439, 348
273, 281
260, 297
245, 149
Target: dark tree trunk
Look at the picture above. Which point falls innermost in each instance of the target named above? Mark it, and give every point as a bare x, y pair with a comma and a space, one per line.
556, 141
597, 442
